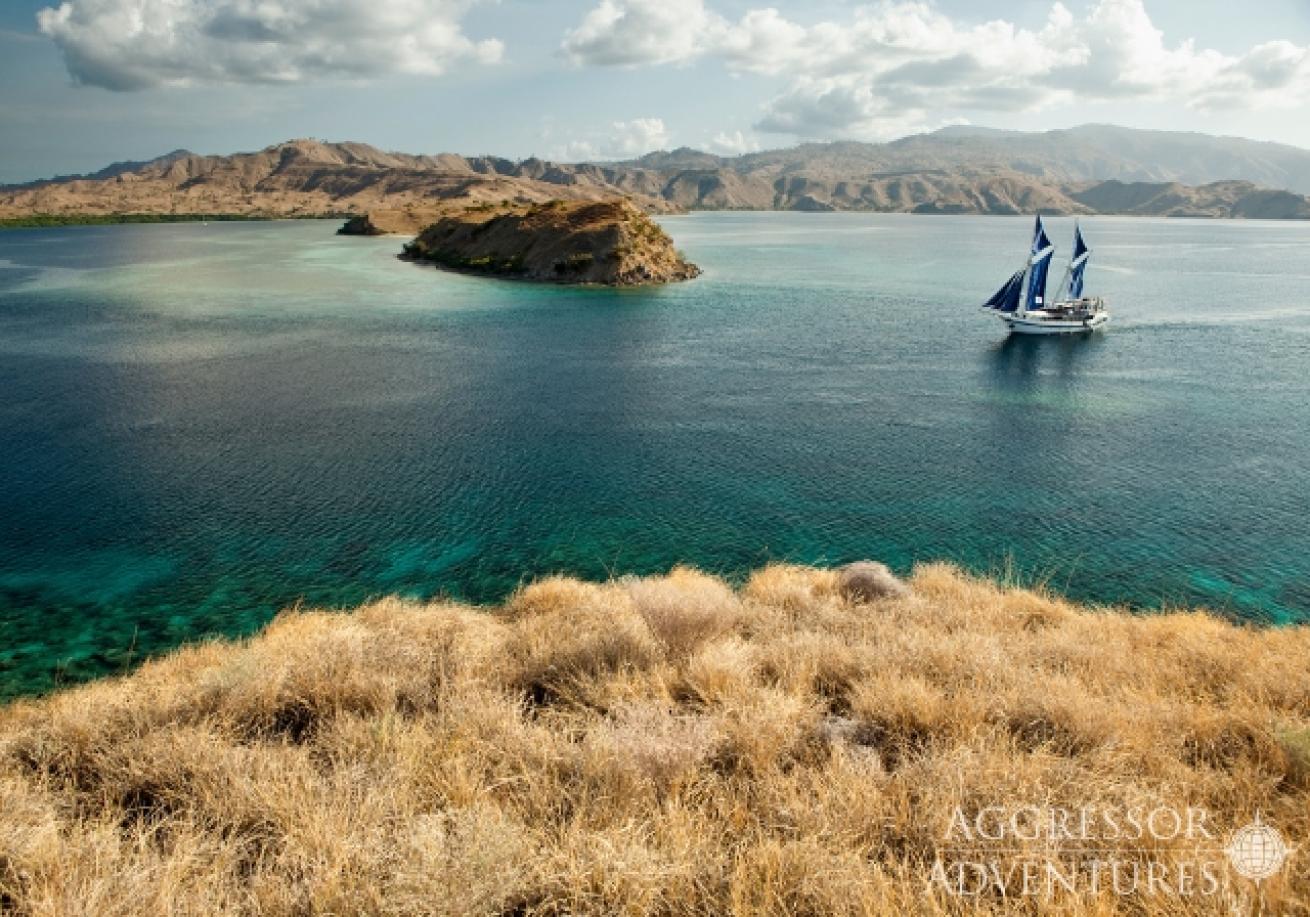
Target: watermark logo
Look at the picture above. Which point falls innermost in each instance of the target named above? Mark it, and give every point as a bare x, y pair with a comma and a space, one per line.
1257, 851
1050, 852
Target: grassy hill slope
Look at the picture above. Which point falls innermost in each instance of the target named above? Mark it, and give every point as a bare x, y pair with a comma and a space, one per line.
649, 746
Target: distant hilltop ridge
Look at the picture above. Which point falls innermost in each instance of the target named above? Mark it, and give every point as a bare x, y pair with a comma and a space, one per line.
1091, 152
1084, 170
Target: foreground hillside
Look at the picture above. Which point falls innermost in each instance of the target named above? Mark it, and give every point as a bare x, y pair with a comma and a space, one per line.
654, 746
1081, 171
608, 242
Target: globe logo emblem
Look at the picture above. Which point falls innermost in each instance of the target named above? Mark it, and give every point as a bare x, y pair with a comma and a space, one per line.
1257, 851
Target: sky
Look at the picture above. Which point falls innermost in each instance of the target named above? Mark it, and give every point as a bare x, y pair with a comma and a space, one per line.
84, 83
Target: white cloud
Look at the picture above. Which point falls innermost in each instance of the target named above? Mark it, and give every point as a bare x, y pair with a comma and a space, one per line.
640, 135
623, 140
732, 144
897, 66
137, 44
622, 32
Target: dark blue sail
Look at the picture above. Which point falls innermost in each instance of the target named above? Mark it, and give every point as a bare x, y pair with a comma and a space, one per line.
1040, 242
1041, 265
1078, 266
1076, 280
1037, 281
1009, 297
1006, 299
1079, 246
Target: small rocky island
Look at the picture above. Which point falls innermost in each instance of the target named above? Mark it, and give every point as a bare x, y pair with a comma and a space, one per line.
613, 243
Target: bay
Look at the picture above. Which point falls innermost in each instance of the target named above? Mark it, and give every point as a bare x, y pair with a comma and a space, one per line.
202, 424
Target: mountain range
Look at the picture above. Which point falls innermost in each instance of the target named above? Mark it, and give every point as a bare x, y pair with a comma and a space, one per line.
1082, 170
1087, 153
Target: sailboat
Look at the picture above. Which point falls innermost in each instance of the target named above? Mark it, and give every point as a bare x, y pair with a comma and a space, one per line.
1022, 304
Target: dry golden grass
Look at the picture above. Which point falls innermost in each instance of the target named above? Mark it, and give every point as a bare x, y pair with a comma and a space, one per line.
649, 746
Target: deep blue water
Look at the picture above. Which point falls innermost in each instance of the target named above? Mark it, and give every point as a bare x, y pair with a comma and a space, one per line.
200, 425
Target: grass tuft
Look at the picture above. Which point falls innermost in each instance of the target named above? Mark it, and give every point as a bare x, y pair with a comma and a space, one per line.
662, 745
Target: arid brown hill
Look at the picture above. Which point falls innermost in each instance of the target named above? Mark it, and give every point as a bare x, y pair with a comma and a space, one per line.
303, 178
1080, 171
610, 242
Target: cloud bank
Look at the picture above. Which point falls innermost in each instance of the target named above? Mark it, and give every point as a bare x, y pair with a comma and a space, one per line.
139, 44
732, 143
898, 65
624, 140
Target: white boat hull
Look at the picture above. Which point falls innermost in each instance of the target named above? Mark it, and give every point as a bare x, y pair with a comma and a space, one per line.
1039, 323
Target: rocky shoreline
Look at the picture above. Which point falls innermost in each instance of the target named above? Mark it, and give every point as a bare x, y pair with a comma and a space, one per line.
384, 222
608, 243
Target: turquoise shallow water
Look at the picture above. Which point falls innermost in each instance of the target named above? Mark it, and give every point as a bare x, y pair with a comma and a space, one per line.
202, 424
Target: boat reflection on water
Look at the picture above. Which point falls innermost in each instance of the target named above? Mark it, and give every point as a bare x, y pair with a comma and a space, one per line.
1024, 357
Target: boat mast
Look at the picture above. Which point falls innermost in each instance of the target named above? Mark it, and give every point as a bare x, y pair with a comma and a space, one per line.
1061, 292
1078, 264
1065, 291
1023, 290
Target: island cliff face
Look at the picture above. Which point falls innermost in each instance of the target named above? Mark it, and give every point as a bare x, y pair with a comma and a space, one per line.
612, 243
